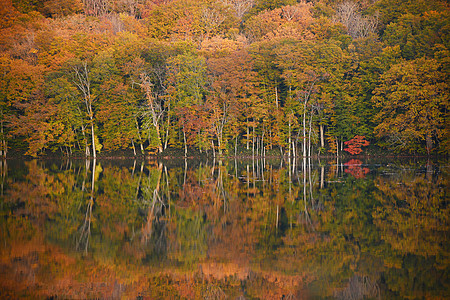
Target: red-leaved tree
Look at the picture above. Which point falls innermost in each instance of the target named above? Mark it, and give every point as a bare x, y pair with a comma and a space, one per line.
354, 145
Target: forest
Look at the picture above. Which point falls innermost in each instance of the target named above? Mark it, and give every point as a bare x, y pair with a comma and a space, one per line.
224, 77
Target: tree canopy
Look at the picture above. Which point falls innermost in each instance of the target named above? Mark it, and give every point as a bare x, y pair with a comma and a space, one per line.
228, 77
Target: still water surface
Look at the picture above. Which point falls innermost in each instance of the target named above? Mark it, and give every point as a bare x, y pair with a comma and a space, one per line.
246, 229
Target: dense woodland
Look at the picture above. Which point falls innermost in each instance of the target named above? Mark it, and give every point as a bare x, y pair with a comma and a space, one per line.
224, 77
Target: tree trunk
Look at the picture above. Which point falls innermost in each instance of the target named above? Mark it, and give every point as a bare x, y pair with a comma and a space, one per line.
322, 141
134, 148
166, 139
309, 135
146, 84
94, 152
83, 83
248, 136
337, 147
276, 98
160, 149
86, 147
185, 142
263, 149
429, 142
219, 142
3, 142
289, 138
253, 142
304, 132
139, 135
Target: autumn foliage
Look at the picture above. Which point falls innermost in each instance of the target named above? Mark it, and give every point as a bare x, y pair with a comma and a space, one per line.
354, 168
290, 77
354, 145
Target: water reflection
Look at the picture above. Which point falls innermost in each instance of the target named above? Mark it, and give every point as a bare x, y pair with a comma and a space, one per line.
263, 228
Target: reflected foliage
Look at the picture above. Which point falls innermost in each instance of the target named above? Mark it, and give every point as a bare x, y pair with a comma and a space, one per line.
267, 229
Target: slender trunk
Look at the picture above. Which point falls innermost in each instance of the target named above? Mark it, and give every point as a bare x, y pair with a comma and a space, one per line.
337, 147
199, 141
94, 152
276, 97
87, 151
3, 142
310, 183
309, 135
322, 141
139, 181
235, 146
304, 132
78, 143
322, 176
134, 148
253, 142
86, 228
263, 149
257, 146
270, 139
160, 149
219, 142
185, 142
277, 217
248, 136
289, 137
166, 139
429, 142
139, 135
185, 172
4, 172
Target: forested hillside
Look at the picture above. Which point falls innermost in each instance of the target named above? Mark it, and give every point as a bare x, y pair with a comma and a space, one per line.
224, 76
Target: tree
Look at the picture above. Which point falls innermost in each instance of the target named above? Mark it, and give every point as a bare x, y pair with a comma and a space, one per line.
187, 86
82, 80
310, 67
418, 35
241, 7
413, 99
117, 108
358, 26
354, 145
233, 93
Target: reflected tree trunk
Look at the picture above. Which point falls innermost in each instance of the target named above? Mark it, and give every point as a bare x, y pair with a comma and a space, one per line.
139, 180
85, 230
322, 176
154, 210
168, 188
3, 172
322, 140
3, 145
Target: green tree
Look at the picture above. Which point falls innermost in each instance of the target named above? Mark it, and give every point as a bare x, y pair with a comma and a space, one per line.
413, 99
188, 83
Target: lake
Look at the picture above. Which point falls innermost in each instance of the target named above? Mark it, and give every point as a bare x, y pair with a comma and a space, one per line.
225, 229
